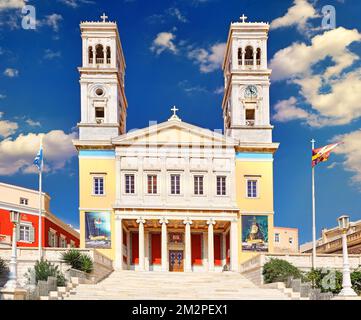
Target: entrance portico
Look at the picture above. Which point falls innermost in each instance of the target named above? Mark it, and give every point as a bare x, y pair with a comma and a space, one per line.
172, 242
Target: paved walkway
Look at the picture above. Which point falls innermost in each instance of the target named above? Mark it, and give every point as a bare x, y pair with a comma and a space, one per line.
130, 285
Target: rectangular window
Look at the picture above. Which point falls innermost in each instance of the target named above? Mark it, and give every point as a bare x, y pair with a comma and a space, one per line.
198, 185
62, 242
98, 186
252, 188
129, 183
221, 186
175, 184
250, 117
277, 237
24, 201
99, 113
152, 184
52, 239
25, 233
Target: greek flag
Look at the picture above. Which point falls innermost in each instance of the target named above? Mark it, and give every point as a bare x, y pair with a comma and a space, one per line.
38, 161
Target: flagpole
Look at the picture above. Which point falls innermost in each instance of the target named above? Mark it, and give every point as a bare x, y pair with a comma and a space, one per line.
313, 213
40, 204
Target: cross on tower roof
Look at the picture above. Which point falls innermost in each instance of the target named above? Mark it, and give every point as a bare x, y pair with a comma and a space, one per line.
104, 17
243, 18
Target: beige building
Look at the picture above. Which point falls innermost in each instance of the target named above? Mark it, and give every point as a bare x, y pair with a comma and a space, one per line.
331, 240
285, 240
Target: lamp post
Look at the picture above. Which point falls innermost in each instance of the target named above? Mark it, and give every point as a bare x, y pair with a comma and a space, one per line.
12, 283
347, 291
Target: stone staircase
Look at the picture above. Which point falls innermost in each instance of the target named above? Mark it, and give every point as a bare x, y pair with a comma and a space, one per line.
129, 285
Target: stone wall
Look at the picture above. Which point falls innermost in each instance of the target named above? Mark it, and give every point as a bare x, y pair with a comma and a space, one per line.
27, 257
253, 267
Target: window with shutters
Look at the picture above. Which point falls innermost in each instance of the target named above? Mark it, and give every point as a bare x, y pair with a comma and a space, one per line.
152, 184
175, 183
221, 186
130, 183
198, 185
52, 239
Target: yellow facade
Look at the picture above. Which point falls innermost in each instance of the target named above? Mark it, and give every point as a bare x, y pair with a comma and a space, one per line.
88, 167
263, 204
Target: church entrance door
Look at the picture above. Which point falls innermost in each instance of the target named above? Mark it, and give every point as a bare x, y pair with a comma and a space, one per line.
176, 260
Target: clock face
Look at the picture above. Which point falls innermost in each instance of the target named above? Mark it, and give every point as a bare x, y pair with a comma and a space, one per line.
250, 92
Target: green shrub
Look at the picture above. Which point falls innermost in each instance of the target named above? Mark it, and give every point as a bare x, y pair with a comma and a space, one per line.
326, 280
356, 280
277, 270
44, 269
78, 261
3, 266
86, 263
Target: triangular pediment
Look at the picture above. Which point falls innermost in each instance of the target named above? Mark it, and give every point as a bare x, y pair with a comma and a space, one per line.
174, 132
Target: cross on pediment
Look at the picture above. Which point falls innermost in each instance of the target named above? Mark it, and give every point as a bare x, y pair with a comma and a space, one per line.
174, 109
243, 18
104, 17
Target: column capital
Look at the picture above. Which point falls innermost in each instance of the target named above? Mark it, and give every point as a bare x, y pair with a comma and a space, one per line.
163, 220
211, 221
187, 221
140, 220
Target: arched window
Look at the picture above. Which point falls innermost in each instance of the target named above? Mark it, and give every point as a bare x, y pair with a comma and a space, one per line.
258, 57
90, 55
240, 51
99, 53
249, 56
108, 55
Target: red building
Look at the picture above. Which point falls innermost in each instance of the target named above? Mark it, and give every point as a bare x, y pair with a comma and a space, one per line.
55, 233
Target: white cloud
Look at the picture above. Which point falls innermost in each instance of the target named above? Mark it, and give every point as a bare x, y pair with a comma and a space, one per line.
33, 123
17, 155
297, 15
175, 12
52, 21
11, 4
7, 128
219, 90
210, 59
164, 41
334, 95
286, 110
351, 150
76, 3
50, 54
2, 96
11, 73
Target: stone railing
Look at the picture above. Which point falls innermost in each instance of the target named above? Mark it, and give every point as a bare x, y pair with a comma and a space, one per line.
336, 245
27, 257
253, 267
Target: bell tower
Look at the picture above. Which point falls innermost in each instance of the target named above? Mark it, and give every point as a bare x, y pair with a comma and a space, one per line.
246, 107
103, 101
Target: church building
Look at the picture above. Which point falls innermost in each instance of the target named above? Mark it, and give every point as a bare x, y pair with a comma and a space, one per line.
174, 196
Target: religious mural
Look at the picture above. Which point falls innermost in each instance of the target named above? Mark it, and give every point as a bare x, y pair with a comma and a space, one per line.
97, 230
255, 233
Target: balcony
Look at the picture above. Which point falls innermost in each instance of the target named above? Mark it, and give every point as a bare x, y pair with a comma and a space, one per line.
100, 60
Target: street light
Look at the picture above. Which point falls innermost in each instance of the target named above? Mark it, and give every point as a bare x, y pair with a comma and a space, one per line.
12, 283
344, 225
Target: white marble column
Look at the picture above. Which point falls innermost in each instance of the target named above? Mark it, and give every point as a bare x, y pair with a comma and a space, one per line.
117, 181
254, 58
188, 245
94, 56
165, 265
141, 222
243, 59
210, 223
118, 244
234, 245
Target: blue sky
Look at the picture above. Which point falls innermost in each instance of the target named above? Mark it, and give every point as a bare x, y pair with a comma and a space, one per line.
173, 51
